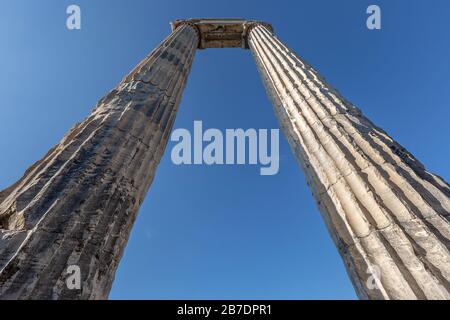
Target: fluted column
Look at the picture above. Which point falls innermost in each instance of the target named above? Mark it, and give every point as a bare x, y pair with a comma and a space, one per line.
387, 215
77, 205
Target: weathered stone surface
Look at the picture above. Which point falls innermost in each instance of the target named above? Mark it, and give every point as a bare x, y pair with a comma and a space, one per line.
77, 205
383, 209
221, 32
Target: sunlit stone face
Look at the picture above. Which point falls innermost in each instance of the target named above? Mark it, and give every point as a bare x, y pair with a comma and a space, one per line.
221, 33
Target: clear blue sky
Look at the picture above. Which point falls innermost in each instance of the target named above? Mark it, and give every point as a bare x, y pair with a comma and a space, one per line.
225, 231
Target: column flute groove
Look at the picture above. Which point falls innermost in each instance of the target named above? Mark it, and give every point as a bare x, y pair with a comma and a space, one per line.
77, 205
369, 189
388, 216
360, 141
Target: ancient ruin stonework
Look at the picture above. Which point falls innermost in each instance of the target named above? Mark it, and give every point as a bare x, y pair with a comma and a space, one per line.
387, 215
77, 205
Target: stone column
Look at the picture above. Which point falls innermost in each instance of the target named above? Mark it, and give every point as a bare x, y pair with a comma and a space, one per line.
387, 215
77, 205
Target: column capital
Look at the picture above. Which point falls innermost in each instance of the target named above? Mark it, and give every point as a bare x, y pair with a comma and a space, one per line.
221, 32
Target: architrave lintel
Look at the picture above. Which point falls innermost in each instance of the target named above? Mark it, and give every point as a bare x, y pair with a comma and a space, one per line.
221, 32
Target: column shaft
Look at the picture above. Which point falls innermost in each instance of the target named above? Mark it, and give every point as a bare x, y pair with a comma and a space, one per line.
387, 215
77, 205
